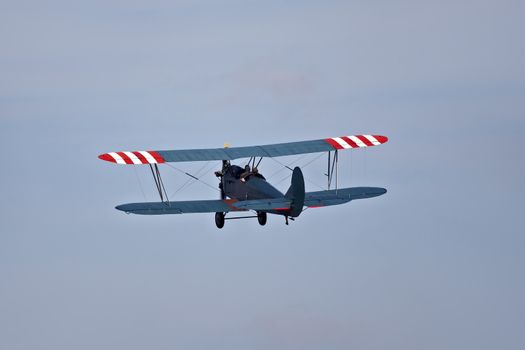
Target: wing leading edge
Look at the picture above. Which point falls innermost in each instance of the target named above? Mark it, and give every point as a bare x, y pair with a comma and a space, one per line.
272, 150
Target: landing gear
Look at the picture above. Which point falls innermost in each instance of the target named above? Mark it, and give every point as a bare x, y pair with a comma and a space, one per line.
219, 220
286, 219
262, 217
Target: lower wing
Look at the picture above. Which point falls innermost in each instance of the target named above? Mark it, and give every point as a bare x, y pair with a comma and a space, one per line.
312, 200
203, 206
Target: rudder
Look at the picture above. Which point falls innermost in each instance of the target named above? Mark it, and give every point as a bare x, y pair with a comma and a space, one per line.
296, 192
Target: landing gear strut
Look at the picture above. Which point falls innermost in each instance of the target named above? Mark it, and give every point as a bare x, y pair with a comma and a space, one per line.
262, 217
219, 220
286, 219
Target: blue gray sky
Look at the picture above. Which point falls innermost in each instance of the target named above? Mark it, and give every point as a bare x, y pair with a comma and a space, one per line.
437, 263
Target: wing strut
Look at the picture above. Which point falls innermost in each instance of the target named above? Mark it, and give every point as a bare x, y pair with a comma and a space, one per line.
333, 164
159, 183
255, 166
259, 162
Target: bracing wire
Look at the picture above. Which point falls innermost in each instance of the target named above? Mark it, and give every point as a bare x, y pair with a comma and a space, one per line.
350, 165
284, 166
365, 165
302, 167
191, 180
313, 160
192, 176
203, 172
140, 183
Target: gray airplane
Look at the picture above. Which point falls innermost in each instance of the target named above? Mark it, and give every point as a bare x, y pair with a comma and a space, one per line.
245, 188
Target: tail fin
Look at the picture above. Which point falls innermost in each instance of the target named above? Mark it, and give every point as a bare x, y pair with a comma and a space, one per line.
296, 192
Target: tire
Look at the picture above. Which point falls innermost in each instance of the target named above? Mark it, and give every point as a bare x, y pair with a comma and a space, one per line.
219, 220
262, 217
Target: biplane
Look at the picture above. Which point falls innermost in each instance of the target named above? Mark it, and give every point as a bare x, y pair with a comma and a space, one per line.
245, 189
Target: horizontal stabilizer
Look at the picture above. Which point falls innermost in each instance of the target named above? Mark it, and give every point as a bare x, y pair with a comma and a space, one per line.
341, 196
264, 204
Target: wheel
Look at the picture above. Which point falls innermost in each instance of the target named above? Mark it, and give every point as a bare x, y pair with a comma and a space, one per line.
261, 217
219, 220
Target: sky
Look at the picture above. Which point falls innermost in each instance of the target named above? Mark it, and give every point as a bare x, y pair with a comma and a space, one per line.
436, 263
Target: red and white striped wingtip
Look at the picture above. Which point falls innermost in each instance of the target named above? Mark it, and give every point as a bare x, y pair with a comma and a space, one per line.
138, 157
356, 141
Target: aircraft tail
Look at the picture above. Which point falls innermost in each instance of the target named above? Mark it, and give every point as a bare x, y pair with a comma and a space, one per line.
296, 192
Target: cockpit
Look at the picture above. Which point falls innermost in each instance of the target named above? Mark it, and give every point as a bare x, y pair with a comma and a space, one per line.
236, 171
244, 174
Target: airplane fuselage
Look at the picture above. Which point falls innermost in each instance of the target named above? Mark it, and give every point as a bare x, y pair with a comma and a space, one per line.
242, 184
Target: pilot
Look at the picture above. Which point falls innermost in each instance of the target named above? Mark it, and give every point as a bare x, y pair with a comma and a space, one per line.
225, 166
246, 173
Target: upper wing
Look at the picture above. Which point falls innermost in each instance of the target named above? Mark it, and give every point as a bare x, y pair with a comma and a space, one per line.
274, 150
